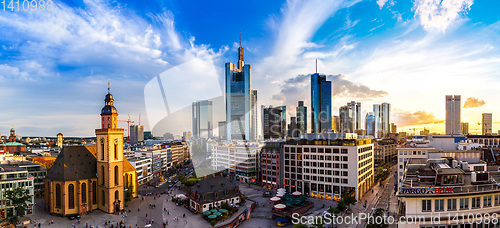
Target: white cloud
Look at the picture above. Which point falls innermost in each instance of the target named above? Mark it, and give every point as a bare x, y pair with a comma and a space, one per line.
7, 71
381, 3
440, 14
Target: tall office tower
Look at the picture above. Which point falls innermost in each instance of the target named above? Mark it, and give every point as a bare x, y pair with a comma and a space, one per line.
487, 124
336, 123
356, 108
321, 103
240, 100
254, 113
453, 115
292, 128
301, 117
382, 114
394, 128
273, 122
347, 119
136, 134
222, 130
370, 124
202, 119
464, 128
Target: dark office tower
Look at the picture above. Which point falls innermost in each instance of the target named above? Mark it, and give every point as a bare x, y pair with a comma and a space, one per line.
240, 101
292, 128
202, 119
301, 118
321, 103
273, 122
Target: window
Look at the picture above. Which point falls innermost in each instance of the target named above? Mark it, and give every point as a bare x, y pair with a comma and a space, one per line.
116, 151
426, 205
102, 175
84, 193
94, 192
486, 201
117, 175
71, 196
343, 151
58, 196
452, 204
464, 203
476, 202
497, 200
439, 205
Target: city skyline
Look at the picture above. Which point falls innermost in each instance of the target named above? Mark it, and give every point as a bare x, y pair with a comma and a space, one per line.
373, 52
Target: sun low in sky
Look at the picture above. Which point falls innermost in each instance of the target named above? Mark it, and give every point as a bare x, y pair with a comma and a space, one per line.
54, 65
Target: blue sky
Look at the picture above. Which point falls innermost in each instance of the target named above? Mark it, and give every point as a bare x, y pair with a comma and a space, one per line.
54, 66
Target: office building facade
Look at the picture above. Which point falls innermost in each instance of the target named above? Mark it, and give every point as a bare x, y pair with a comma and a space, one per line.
371, 124
136, 134
273, 122
464, 128
347, 119
487, 124
271, 163
202, 119
382, 114
321, 103
222, 130
240, 100
453, 109
239, 159
301, 112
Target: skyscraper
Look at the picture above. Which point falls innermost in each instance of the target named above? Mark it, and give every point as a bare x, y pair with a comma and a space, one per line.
464, 126
356, 109
347, 119
253, 116
382, 114
301, 117
370, 124
273, 122
336, 123
202, 119
136, 134
394, 128
487, 124
240, 101
321, 103
222, 130
453, 115
292, 128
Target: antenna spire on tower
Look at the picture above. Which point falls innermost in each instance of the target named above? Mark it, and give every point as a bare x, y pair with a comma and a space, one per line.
316, 65
109, 84
240, 38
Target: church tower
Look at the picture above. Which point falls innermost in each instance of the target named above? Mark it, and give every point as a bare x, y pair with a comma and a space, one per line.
109, 140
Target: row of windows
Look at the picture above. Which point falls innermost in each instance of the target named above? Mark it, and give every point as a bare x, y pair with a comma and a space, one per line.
364, 156
475, 202
364, 149
316, 150
326, 165
326, 179
365, 162
411, 152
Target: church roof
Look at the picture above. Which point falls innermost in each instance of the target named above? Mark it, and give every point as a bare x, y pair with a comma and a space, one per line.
73, 163
92, 149
214, 188
127, 167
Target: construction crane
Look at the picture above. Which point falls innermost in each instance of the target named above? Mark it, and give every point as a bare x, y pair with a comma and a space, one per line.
128, 127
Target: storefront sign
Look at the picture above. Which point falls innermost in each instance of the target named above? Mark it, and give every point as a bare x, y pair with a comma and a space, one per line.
428, 190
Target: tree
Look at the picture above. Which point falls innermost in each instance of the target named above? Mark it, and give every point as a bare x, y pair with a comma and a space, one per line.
379, 212
129, 194
19, 198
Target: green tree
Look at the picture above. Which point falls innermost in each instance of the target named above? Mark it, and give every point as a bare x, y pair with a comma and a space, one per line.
129, 194
19, 198
373, 224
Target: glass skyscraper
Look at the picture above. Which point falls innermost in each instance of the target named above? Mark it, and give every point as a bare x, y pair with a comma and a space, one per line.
202, 119
370, 124
301, 118
453, 115
347, 117
382, 114
274, 122
321, 103
241, 101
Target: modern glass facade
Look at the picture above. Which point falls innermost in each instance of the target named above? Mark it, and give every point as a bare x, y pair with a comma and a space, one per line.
274, 122
382, 114
370, 124
453, 115
321, 103
202, 119
301, 117
347, 117
240, 101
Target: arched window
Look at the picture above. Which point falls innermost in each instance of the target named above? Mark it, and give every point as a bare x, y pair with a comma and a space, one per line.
58, 196
84, 193
116, 151
103, 198
102, 175
126, 180
94, 192
117, 195
102, 147
71, 196
117, 175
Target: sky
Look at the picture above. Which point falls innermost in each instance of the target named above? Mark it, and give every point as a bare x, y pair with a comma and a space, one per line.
55, 65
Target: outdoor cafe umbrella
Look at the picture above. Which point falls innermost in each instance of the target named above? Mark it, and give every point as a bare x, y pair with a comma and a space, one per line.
206, 212
297, 193
213, 210
212, 216
280, 206
222, 210
274, 199
216, 213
